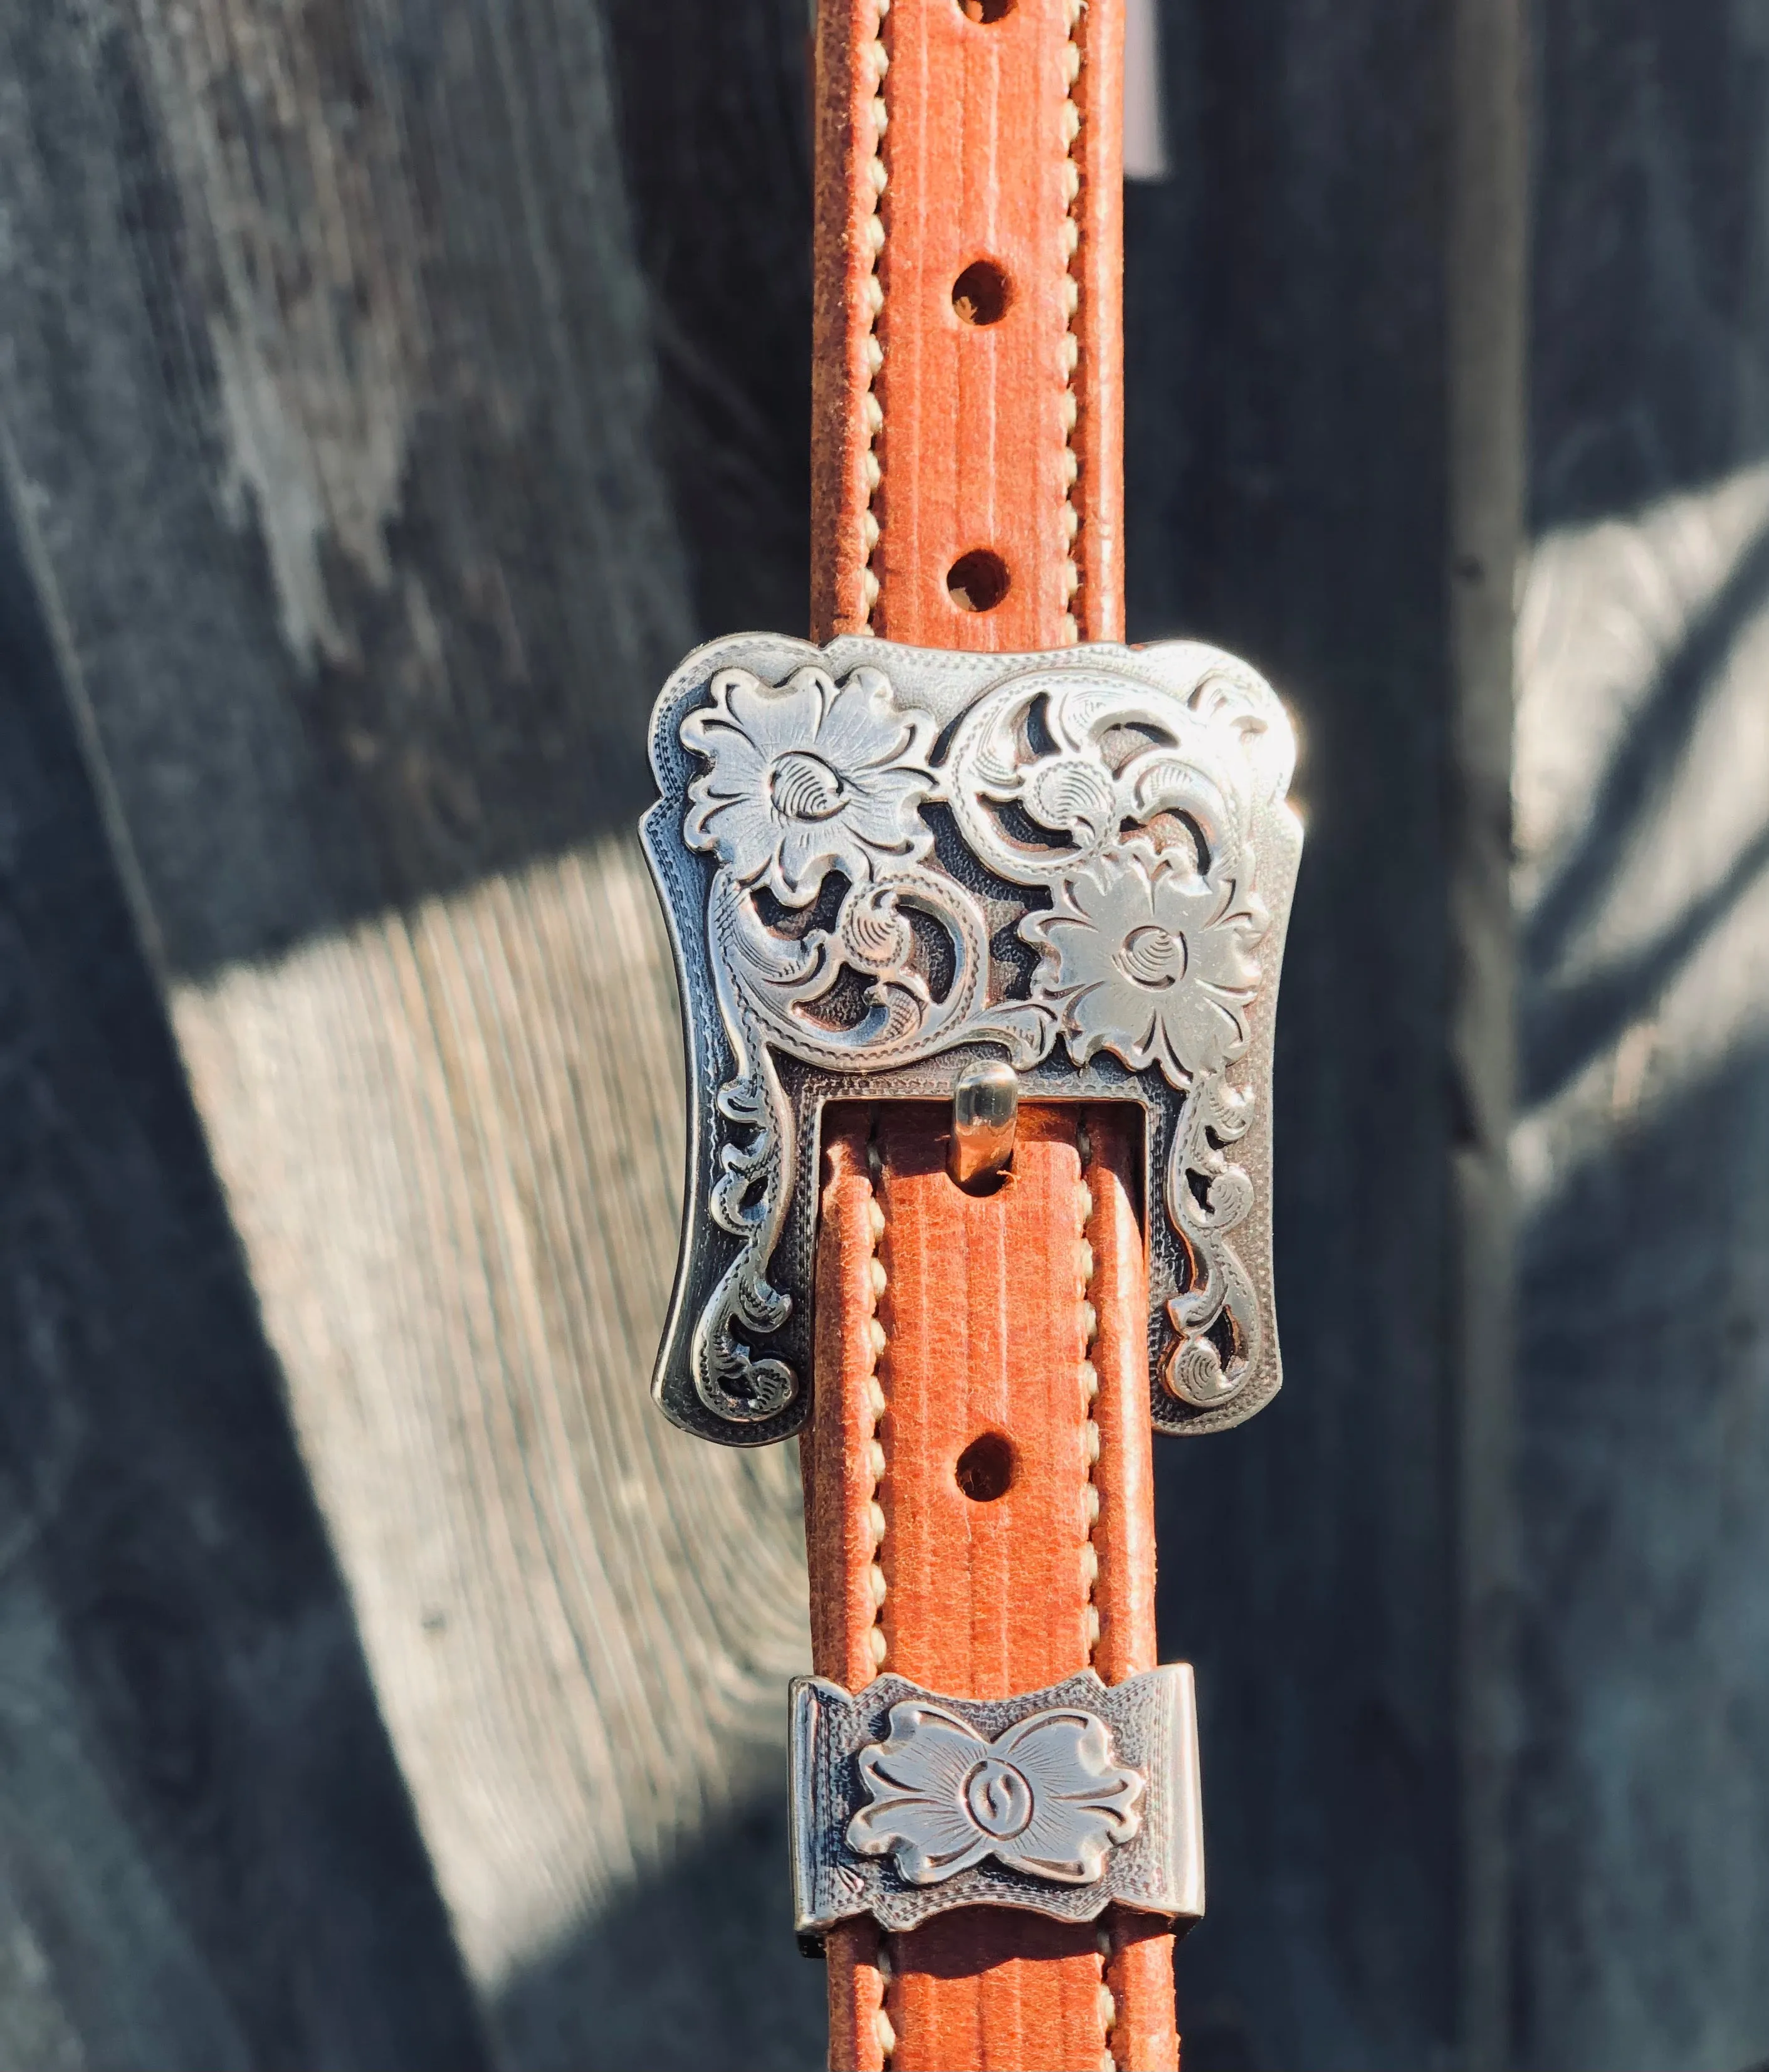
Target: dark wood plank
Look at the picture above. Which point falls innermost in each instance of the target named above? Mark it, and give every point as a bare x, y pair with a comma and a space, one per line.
1301, 489
206, 1854
1644, 1146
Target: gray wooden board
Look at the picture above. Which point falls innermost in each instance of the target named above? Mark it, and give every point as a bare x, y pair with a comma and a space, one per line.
206, 1857
330, 423
1290, 380
1642, 1840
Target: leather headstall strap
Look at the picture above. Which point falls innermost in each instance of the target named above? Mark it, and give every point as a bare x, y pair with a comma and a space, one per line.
979, 1505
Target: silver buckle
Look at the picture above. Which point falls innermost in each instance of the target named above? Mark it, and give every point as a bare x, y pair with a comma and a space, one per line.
883, 866
1065, 1800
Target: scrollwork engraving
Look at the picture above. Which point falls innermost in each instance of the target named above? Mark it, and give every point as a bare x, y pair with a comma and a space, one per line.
1117, 818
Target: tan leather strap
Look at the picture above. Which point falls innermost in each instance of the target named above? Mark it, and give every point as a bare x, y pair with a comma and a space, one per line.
967, 485
967, 411
980, 1512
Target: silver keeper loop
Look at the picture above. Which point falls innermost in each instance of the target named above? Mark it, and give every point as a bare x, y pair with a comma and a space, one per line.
1064, 1801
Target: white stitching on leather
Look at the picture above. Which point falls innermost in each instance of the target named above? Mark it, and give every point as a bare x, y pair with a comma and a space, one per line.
1090, 1381
1107, 2003
1071, 344
875, 1340
874, 177
1089, 1376
883, 2027
877, 1282
1108, 2021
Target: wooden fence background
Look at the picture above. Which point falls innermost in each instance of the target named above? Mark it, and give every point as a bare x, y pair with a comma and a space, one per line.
390, 390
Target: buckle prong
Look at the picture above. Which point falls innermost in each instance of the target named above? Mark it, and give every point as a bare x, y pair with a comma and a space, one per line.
985, 1114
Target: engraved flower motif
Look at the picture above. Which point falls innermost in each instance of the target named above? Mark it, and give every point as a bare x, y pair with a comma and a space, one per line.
1044, 1797
1148, 959
807, 777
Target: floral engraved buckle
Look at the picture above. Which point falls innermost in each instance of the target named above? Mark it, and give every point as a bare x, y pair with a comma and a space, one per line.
884, 864
1065, 1801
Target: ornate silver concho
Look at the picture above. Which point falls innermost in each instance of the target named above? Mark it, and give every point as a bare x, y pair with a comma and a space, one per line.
881, 864
1064, 1801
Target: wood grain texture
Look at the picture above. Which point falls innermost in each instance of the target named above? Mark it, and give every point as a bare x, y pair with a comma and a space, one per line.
716, 159
444, 1137
1486, 248
345, 361
1307, 387
1643, 788
206, 1857
330, 408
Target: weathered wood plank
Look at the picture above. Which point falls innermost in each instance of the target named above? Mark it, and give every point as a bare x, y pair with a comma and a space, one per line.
329, 397
206, 1855
716, 148
1311, 383
1643, 1151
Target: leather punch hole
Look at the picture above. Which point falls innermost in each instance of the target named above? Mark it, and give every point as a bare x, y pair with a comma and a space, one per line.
978, 581
985, 1469
981, 294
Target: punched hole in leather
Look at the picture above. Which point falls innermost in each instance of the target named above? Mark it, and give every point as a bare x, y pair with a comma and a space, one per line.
978, 580
981, 293
984, 1470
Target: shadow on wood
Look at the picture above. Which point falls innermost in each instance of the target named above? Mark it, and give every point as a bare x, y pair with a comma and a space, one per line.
207, 1853
692, 1968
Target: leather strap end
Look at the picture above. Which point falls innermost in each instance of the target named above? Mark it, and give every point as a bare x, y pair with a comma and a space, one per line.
945, 1318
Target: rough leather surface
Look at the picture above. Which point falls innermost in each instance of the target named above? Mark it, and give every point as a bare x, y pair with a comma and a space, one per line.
1001, 141
943, 1316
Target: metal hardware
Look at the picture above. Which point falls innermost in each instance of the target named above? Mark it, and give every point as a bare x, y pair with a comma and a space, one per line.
985, 1110
883, 866
1063, 1801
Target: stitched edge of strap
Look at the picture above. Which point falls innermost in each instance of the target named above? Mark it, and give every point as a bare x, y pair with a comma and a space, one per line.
1073, 59
1089, 1376
850, 65
879, 1466
1087, 1293
883, 2023
1096, 265
875, 178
